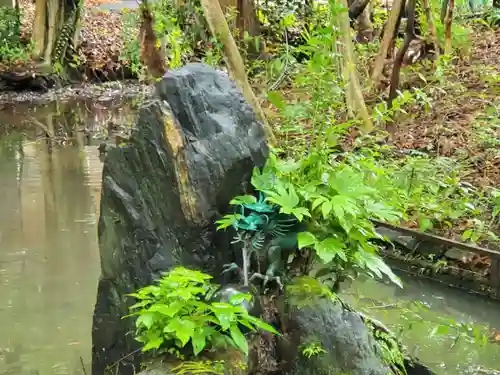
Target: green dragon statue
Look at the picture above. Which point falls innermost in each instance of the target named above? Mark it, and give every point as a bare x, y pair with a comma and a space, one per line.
267, 234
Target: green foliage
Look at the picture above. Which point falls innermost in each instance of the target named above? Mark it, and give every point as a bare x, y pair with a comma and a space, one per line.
167, 26
131, 54
178, 311
418, 313
199, 367
312, 348
11, 47
335, 203
457, 331
391, 352
304, 291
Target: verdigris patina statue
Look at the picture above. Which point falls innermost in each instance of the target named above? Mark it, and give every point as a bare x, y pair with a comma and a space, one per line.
268, 234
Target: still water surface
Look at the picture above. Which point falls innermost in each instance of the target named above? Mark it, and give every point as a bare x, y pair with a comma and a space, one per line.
49, 261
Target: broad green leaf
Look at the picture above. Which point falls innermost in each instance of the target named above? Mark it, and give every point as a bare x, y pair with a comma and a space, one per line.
153, 344
244, 321
243, 199
146, 319
425, 224
326, 208
198, 341
299, 213
467, 234
238, 298
381, 211
182, 328
224, 313
342, 208
378, 266
262, 325
317, 202
440, 330
350, 183
276, 99
224, 320
227, 221
168, 310
286, 197
287, 166
329, 248
305, 239
263, 180
239, 339
140, 304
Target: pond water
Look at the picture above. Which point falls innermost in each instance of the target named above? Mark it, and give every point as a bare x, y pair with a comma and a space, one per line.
49, 260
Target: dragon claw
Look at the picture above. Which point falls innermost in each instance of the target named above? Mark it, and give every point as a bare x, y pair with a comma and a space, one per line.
230, 267
266, 279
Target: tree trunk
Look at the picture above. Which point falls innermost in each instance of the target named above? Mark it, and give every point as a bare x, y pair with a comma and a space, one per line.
432, 28
54, 28
354, 94
389, 33
246, 21
409, 36
356, 8
447, 27
444, 8
220, 29
365, 25
360, 10
39, 31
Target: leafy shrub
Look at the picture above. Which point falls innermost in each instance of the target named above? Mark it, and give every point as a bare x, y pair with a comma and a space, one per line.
178, 311
11, 47
336, 204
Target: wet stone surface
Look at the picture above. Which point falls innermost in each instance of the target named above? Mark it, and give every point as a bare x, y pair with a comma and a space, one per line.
193, 148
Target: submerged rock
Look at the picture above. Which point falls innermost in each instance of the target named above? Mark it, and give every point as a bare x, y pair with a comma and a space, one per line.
194, 147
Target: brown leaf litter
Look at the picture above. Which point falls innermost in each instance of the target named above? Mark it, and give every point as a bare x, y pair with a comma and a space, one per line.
100, 40
448, 128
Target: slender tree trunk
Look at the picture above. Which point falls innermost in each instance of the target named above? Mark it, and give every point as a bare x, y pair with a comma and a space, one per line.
444, 8
447, 27
246, 20
389, 33
39, 30
52, 10
220, 29
354, 94
432, 28
409, 36
365, 25
357, 7
360, 10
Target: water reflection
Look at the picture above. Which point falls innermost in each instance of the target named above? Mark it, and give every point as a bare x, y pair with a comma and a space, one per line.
392, 305
49, 261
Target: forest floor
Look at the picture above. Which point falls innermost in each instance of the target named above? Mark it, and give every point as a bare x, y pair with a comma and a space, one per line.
101, 35
464, 115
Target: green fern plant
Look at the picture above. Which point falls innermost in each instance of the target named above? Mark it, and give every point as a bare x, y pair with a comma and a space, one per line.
178, 311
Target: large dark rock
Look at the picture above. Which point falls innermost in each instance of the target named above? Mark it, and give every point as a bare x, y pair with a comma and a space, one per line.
194, 147
348, 344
